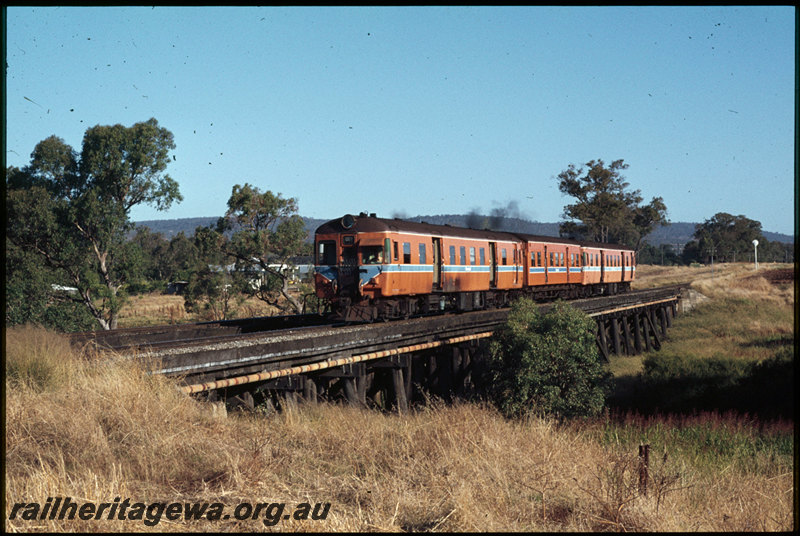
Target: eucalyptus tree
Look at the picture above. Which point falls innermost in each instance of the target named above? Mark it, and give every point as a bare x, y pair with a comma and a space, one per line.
726, 236
72, 208
605, 209
265, 233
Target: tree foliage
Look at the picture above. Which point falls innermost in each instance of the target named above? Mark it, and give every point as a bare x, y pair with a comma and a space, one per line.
605, 210
547, 363
35, 294
266, 233
725, 237
664, 254
72, 209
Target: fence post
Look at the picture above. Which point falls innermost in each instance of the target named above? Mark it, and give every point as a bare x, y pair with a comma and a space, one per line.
644, 463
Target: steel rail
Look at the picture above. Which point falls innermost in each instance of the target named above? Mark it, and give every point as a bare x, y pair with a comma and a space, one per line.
635, 306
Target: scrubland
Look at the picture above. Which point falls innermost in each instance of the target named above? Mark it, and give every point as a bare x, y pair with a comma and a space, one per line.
96, 427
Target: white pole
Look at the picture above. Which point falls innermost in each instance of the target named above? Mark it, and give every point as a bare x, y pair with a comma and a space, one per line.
755, 247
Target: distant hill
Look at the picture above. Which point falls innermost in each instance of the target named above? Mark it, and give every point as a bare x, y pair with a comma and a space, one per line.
677, 233
170, 228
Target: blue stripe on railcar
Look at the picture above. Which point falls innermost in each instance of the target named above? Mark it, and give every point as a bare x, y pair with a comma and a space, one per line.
328, 272
464, 269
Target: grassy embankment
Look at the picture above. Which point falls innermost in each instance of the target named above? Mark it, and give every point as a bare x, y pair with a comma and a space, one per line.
95, 428
726, 352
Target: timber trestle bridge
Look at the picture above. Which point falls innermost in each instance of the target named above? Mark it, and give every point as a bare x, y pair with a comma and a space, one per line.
383, 364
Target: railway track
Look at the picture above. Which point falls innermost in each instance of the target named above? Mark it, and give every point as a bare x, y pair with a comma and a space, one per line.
125, 339
213, 352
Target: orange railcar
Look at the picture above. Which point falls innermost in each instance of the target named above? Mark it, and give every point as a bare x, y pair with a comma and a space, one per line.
371, 267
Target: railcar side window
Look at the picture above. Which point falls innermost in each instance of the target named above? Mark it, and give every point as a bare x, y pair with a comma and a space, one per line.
504, 256
326, 253
422, 255
396, 256
482, 256
452, 254
538, 258
406, 252
472, 256
462, 255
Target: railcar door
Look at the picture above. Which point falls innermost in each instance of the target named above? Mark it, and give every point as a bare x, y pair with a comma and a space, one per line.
546, 266
437, 263
603, 260
493, 264
348, 272
622, 262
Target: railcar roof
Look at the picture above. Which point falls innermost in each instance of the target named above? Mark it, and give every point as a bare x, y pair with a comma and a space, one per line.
372, 224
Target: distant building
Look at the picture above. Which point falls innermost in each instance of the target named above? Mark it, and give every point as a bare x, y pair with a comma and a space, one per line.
61, 288
176, 287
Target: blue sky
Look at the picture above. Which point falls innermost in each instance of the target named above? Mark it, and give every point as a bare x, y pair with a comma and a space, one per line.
425, 110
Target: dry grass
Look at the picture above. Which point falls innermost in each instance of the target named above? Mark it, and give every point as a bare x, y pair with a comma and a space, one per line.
156, 308
100, 429
651, 276
745, 308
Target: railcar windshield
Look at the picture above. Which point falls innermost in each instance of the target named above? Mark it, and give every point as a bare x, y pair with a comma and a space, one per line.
372, 255
326, 253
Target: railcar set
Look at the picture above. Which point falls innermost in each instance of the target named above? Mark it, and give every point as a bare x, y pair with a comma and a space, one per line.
372, 268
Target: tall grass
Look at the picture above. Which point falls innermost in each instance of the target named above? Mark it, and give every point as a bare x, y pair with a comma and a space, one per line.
105, 429
37, 359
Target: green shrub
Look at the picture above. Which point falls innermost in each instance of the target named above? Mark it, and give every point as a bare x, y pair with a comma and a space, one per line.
547, 363
681, 383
